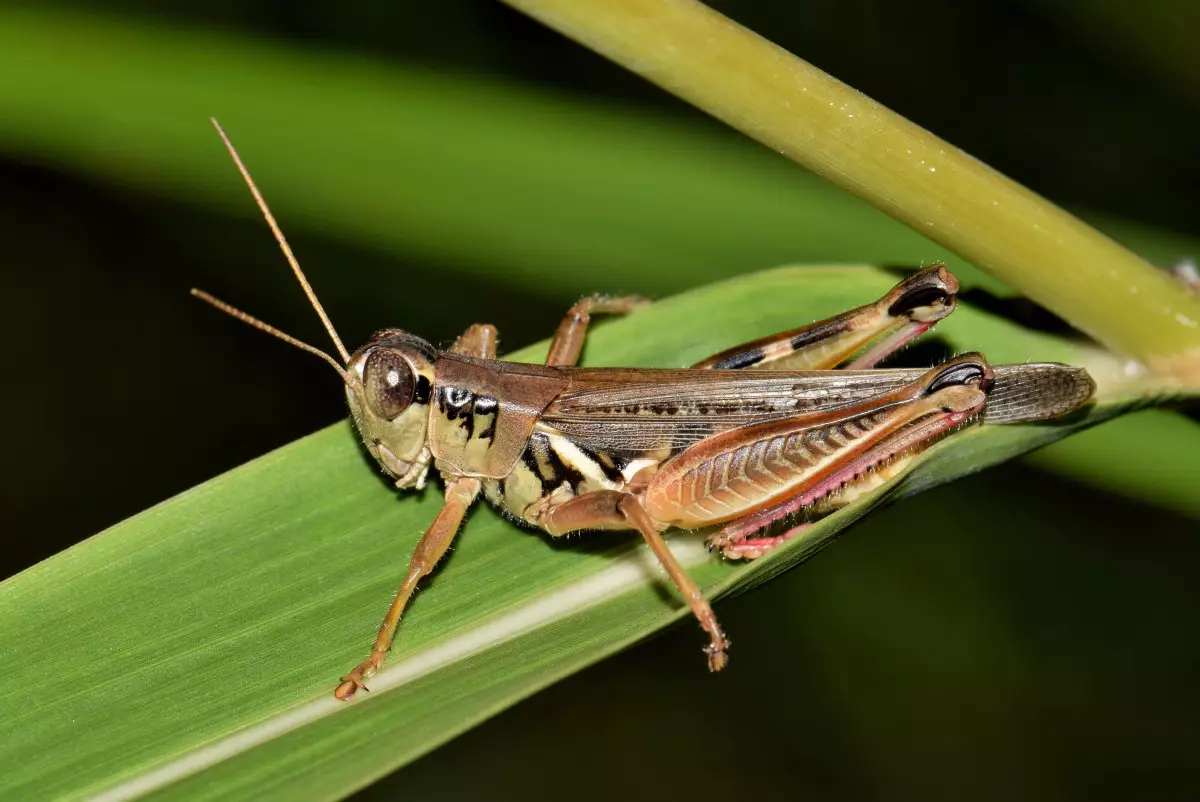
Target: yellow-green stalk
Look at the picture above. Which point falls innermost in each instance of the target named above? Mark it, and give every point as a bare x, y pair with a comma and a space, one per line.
839, 133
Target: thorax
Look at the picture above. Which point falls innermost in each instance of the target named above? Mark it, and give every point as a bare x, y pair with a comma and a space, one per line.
553, 469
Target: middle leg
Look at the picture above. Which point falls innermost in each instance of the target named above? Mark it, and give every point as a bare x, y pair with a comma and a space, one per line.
613, 509
568, 340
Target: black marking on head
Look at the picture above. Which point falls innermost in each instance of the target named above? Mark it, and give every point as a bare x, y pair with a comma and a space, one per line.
422, 391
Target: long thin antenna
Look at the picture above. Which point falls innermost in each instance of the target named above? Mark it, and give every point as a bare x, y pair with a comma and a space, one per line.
269, 329
287, 252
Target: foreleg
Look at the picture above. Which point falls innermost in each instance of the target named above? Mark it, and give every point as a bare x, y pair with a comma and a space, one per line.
477, 341
460, 493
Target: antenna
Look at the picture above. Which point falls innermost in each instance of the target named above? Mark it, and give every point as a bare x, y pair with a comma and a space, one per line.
287, 252
269, 329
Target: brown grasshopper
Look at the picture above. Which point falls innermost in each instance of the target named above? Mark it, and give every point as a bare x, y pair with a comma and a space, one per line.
744, 441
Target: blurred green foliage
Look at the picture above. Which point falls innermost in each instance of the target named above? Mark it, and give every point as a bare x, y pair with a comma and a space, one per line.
1009, 636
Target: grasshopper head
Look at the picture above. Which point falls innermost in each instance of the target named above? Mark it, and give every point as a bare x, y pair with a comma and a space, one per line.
388, 383
388, 380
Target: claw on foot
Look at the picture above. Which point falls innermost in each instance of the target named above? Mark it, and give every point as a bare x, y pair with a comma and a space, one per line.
718, 652
355, 681
750, 549
740, 547
350, 686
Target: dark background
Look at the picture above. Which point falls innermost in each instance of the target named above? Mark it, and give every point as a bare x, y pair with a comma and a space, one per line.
940, 651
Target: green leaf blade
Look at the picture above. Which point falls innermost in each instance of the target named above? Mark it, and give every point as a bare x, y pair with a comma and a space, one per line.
173, 651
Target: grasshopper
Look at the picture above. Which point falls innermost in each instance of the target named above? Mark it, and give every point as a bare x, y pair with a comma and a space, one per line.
744, 442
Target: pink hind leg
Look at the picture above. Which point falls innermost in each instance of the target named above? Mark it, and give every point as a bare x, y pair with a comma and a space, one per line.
751, 548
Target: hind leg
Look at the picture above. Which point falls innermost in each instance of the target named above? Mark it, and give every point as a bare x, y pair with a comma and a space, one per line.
613, 509
911, 308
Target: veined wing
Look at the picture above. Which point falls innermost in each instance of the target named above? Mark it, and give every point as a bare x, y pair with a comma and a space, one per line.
638, 410
1037, 391
634, 410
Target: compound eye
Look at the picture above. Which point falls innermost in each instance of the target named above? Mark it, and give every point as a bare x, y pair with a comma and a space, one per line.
389, 382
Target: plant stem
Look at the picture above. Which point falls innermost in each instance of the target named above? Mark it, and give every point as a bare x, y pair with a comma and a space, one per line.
839, 133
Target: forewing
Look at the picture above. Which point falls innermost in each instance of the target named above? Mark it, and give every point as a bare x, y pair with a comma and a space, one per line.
638, 410
631, 410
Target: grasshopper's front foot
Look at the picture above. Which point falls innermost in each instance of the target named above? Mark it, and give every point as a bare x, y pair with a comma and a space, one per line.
355, 681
